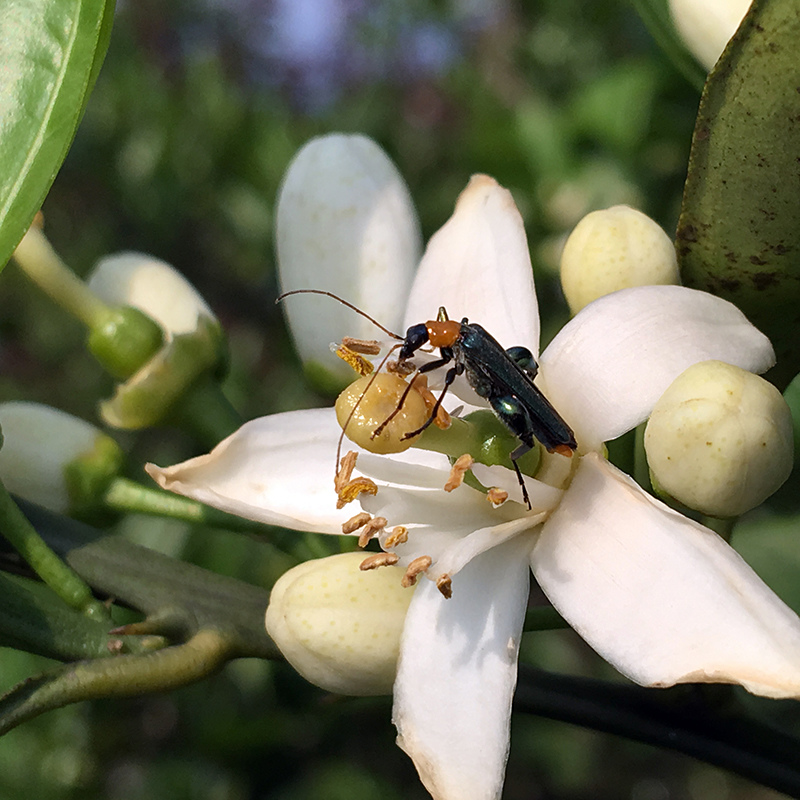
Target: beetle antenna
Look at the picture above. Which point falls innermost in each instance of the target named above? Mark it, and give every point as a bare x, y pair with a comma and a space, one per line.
344, 303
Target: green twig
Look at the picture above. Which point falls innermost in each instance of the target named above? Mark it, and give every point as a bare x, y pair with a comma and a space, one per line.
688, 719
66, 583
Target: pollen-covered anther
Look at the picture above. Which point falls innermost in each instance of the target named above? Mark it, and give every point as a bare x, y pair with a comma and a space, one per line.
497, 496
355, 360
415, 569
356, 522
398, 535
442, 419
379, 560
457, 472
375, 525
354, 488
444, 583
346, 467
367, 347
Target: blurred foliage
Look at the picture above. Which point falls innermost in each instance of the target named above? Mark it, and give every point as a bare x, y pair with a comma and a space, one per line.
180, 154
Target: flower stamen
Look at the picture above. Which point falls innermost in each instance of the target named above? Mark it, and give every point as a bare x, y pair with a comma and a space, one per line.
367, 347
379, 560
459, 469
497, 496
375, 525
353, 358
444, 583
398, 535
354, 488
415, 568
354, 523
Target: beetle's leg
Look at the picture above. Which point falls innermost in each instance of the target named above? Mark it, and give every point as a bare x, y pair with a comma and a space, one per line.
451, 375
515, 454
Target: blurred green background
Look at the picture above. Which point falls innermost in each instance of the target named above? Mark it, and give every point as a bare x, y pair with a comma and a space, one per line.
196, 114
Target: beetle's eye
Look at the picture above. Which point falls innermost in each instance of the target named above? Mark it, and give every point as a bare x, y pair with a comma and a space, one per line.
523, 358
416, 336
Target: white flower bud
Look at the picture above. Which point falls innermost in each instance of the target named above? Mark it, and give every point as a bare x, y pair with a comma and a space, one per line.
720, 439
154, 287
54, 459
706, 25
345, 224
340, 627
616, 248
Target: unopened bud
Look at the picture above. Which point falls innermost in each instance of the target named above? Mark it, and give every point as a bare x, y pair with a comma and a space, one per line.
137, 285
338, 626
377, 398
719, 439
345, 223
612, 249
54, 459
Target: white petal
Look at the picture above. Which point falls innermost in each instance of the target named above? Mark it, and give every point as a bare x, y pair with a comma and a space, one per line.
660, 597
457, 672
346, 224
278, 470
152, 286
478, 266
607, 367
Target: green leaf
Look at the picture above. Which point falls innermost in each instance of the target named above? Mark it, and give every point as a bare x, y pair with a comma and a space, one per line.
739, 230
51, 52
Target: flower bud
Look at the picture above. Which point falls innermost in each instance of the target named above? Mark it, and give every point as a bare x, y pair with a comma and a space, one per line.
612, 249
345, 224
706, 25
154, 287
719, 439
378, 397
54, 459
138, 284
340, 627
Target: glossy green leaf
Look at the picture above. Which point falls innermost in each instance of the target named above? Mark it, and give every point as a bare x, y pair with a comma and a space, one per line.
50, 51
739, 231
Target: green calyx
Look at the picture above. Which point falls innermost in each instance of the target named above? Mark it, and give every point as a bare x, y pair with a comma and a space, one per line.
152, 392
124, 339
484, 437
89, 475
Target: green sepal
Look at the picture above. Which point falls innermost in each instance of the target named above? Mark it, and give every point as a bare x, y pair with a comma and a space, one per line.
124, 340
89, 476
484, 437
149, 395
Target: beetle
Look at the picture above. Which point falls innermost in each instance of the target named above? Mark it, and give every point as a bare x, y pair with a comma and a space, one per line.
503, 377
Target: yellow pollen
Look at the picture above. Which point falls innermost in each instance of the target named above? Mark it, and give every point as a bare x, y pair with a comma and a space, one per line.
398, 535
355, 360
353, 489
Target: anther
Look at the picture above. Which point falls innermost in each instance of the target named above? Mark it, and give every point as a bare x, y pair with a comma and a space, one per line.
497, 496
354, 523
444, 583
375, 525
367, 347
457, 472
398, 535
379, 560
354, 488
346, 467
415, 568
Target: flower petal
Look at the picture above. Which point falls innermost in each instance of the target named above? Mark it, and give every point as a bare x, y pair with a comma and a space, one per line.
457, 672
478, 266
277, 470
607, 367
660, 597
345, 223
